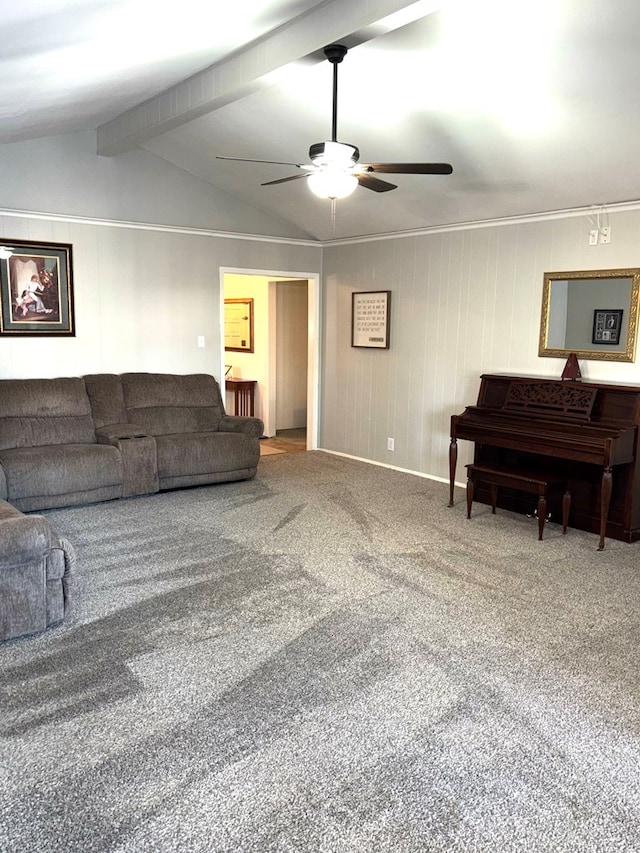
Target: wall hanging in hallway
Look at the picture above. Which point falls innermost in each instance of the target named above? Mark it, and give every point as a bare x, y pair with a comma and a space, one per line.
238, 325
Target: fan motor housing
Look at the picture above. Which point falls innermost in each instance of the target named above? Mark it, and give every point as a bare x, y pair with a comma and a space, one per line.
318, 153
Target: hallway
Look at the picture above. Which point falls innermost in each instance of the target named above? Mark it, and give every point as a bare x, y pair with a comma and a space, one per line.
284, 441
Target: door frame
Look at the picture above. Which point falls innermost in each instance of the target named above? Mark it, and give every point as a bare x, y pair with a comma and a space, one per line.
313, 341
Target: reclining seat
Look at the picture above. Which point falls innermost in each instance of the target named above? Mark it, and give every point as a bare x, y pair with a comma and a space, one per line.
49, 453
35, 570
196, 441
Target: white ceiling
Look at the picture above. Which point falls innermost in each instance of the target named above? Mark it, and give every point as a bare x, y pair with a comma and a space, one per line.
535, 103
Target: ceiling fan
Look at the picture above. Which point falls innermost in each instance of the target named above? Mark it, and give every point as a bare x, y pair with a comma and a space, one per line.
334, 171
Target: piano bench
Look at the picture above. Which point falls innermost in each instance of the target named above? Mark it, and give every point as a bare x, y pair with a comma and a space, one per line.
537, 483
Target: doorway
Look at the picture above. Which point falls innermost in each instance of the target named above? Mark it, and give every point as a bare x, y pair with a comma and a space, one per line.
292, 343
285, 441
285, 360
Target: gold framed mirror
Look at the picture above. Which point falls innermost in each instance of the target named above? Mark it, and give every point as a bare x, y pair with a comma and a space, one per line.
592, 313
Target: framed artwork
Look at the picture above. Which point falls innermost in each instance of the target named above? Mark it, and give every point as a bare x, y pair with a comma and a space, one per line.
36, 289
370, 319
607, 323
238, 325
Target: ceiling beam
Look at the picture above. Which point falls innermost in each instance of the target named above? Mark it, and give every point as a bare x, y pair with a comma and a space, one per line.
260, 64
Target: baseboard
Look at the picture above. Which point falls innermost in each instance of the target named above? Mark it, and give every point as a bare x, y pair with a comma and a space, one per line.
385, 465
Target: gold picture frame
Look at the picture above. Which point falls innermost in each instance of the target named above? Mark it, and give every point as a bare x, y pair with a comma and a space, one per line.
571, 302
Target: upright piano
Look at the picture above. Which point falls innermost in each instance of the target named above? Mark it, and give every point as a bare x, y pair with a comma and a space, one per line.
586, 432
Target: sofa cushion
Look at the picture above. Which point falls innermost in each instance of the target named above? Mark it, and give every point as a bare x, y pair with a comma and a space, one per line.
36, 412
165, 403
205, 453
48, 471
107, 400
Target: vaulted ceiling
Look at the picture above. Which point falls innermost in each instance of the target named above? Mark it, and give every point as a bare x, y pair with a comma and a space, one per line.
535, 103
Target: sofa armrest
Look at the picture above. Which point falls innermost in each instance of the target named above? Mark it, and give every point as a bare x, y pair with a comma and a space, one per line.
236, 423
24, 539
113, 433
139, 457
61, 564
4, 494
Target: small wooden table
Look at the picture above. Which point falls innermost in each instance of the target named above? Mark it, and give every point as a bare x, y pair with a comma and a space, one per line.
243, 395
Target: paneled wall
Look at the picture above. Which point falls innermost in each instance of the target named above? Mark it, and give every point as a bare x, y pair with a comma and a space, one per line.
463, 302
142, 297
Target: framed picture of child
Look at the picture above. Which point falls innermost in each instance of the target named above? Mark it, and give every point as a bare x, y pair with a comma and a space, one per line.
36, 288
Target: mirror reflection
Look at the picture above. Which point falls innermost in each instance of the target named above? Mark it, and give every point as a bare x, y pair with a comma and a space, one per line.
593, 314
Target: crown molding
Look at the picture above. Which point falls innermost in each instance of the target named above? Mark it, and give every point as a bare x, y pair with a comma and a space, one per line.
150, 226
569, 213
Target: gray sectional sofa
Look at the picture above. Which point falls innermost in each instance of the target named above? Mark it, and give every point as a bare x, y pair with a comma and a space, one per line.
79, 440
94, 438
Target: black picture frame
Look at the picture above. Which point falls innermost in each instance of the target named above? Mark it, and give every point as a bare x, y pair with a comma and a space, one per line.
607, 325
36, 289
370, 319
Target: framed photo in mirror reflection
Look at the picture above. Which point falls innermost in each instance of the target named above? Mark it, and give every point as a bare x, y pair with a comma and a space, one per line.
606, 326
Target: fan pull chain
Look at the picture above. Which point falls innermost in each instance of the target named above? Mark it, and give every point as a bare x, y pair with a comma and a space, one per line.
333, 217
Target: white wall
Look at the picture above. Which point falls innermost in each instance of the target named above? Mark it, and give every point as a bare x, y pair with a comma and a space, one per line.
291, 354
146, 257
464, 302
142, 298
64, 175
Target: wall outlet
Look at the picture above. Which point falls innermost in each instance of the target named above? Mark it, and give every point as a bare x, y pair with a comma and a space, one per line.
390, 444
593, 237
605, 234
200, 340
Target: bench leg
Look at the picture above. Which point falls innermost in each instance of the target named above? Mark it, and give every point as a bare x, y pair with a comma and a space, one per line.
469, 496
542, 514
494, 497
566, 506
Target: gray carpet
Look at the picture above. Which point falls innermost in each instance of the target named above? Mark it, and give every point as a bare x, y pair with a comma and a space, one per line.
326, 658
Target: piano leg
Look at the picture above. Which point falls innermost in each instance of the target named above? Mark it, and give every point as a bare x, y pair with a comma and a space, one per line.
542, 515
605, 499
566, 508
453, 461
494, 497
469, 496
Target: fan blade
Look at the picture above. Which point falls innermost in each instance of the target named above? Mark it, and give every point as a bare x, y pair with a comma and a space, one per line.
370, 183
409, 168
249, 160
283, 180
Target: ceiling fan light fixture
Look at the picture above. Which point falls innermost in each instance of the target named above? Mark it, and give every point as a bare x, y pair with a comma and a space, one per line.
332, 183
334, 154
